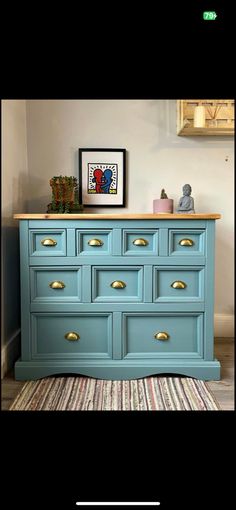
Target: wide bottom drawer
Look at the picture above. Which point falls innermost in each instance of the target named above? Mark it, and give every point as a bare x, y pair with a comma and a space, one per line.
80, 335
160, 335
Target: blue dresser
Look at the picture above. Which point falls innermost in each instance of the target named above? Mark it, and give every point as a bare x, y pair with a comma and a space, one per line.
119, 296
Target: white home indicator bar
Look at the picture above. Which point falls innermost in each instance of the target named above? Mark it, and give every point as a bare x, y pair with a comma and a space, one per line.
118, 503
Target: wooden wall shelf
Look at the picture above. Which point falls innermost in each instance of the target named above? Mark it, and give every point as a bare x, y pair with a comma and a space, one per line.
222, 126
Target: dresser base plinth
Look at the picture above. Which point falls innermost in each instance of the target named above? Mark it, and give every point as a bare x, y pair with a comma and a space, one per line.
118, 370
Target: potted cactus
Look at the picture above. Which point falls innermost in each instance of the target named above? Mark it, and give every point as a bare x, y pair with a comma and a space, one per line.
163, 205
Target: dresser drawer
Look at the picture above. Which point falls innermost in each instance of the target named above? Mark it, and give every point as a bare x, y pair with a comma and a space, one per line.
186, 242
91, 335
94, 242
180, 335
47, 243
177, 284
55, 284
140, 242
121, 283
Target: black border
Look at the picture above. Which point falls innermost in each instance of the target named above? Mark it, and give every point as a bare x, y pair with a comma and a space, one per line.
124, 177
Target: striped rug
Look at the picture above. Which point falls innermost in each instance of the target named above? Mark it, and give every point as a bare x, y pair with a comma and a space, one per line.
87, 394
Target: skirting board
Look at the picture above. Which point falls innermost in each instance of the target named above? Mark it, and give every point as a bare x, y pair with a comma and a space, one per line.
223, 325
10, 353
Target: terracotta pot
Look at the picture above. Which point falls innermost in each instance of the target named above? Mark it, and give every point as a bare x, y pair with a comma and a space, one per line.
163, 205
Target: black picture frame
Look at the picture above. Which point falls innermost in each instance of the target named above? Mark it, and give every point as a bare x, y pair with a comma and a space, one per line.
113, 186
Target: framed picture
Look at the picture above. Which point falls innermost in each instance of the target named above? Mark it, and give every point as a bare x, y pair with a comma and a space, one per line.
102, 177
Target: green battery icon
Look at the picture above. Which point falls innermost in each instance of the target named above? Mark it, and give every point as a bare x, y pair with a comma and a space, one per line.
209, 15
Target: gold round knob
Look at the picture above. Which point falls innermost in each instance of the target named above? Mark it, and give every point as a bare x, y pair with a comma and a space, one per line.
186, 242
118, 284
95, 242
49, 242
57, 285
178, 285
162, 335
72, 336
140, 242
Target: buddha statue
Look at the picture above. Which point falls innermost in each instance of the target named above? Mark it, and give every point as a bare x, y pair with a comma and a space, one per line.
186, 202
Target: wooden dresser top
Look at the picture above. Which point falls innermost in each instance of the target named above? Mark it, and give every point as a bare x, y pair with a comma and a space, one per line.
135, 216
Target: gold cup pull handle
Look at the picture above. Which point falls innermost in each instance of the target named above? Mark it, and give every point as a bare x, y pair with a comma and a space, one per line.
178, 285
162, 335
95, 242
49, 242
186, 242
118, 284
57, 285
140, 242
72, 336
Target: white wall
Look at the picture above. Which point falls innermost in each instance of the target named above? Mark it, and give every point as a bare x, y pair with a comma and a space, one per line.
14, 196
156, 158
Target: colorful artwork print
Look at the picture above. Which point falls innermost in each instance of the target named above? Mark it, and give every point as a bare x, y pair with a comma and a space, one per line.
102, 178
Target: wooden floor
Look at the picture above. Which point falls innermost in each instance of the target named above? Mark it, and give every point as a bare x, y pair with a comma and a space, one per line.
223, 390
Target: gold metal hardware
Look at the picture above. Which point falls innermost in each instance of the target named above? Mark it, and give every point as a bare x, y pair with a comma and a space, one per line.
72, 336
48, 242
118, 284
95, 242
162, 335
57, 285
178, 285
186, 242
140, 242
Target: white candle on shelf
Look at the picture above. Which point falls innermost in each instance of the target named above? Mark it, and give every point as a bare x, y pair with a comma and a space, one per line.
199, 117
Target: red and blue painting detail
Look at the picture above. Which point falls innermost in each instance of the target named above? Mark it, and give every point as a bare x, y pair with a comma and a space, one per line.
102, 178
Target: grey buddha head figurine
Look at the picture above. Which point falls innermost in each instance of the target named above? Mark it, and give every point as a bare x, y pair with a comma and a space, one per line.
186, 202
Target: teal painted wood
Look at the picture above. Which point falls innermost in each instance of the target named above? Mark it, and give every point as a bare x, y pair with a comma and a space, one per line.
117, 241
185, 335
41, 280
115, 260
103, 277
71, 243
38, 236
86, 287
117, 326
150, 237
119, 307
117, 338
196, 236
25, 291
206, 370
163, 242
127, 223
164, 277
94, 335
148, 281
209, 292
83, 237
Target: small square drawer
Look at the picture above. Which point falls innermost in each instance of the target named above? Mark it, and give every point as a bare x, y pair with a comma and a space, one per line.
140, 242
80, 335
47, 243
187, 242
177, 284
170, 335
116, 284
55, 284
90, 242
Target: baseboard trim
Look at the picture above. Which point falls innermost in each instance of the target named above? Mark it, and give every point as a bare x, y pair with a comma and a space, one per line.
10, 352
223, 325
